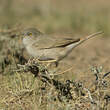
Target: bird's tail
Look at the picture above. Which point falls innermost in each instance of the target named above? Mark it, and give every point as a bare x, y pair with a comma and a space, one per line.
90, 36
72, 46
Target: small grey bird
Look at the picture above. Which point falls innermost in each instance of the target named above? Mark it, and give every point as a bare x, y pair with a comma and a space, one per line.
45, 47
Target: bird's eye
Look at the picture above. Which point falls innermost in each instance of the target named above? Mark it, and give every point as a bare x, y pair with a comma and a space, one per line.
29, 34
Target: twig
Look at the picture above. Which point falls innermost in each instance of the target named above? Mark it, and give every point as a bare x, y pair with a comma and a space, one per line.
62, 72
106, 74
89, 94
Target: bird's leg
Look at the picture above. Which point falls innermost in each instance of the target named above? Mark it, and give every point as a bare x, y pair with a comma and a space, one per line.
56, 63
50, 63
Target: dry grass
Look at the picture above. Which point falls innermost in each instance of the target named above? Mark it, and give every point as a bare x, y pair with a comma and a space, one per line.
32, 86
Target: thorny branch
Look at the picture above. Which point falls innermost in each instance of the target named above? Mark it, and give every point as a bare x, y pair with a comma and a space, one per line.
64, 89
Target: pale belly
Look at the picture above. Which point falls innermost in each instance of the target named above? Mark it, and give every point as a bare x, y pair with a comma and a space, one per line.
49, 54
44, 54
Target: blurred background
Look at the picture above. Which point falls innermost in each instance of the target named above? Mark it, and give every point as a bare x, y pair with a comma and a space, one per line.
79, 16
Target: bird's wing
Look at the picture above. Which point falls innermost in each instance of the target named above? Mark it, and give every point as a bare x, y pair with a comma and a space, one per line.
47, 42
64, 42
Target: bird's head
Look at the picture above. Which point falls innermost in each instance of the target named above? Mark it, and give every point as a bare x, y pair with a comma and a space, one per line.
30, 35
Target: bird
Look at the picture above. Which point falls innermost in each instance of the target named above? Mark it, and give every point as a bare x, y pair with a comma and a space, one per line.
49, 48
